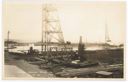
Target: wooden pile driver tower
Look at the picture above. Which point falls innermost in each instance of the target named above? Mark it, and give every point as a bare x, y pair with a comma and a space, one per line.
52, 35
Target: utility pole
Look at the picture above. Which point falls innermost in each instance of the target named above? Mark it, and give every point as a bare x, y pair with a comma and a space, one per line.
42, 42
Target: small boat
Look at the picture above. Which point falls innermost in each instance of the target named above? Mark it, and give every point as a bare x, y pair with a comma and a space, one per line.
76, 63
81, 64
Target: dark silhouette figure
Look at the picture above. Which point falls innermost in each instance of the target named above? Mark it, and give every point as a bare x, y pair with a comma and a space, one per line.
81, 50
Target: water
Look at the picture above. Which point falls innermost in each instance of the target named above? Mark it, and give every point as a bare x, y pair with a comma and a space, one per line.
26, 48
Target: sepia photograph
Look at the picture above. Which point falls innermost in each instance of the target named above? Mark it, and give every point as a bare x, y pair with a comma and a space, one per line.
63, 39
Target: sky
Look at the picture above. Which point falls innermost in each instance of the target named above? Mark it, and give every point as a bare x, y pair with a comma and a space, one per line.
23, 18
